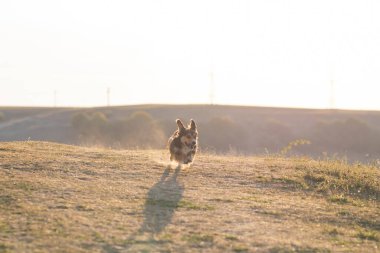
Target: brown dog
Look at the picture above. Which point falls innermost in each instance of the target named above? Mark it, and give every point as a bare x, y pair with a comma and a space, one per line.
183, 143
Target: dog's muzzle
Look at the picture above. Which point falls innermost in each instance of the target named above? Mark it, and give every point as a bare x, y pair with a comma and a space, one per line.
193, 145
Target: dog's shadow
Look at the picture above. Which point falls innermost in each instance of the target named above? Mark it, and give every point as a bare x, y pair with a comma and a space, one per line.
161, 202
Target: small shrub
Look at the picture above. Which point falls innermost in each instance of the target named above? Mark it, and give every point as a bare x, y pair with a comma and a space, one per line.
285, 150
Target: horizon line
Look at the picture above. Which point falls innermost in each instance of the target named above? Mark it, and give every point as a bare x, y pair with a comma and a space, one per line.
188, 104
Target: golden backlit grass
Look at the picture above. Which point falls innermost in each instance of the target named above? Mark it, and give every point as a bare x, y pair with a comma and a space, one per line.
60, 198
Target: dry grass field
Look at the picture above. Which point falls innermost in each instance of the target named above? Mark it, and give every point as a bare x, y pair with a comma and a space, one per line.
61, 198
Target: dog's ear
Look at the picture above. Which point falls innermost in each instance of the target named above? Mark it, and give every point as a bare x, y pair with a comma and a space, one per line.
180, 125
192, 125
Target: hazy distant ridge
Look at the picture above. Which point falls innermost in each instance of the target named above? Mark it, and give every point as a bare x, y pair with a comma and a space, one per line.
222, 128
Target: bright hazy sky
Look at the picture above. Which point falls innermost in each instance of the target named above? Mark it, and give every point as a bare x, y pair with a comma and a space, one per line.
264, 52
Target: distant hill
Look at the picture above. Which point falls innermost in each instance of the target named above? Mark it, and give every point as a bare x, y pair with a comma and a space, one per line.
62, 198
223, 129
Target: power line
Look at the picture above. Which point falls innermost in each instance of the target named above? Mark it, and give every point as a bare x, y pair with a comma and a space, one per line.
211, 87
332, 94
55, 98
108, 96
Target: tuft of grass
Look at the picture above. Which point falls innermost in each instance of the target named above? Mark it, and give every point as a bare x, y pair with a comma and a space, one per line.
199, 239
186, 204
297, 183
222, 200
339, 199
272, 213
166, 237
333, 232
298, 249
344, 213
340, 177
344, 199
4, 248
5, 229
231, 237
6, 200
82, 208
291, 145
193, 206
150, 241
335, 178
88, 172
97, 236
369, 223
368, 235
25, 186
164, 203
240, 248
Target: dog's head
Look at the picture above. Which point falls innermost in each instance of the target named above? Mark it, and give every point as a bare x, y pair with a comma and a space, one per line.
189, 135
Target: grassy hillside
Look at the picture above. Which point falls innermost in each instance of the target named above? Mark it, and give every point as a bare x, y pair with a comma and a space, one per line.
60, 198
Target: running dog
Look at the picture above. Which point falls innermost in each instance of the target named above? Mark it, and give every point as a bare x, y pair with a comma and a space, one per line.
183, 143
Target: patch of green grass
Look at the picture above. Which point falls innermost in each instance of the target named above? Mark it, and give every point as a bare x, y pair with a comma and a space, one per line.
298, 249
333, 232
25, 186
6, 200
231, 237
199, 238
59, 228
150, 241
344, 199
98, 237
339, 199
4, 248
89, 172
344, 213
222, 200
258, 199
4, 228
60, 207
193, 206
369, 223
166, 237
271, 213
83, 208
164, 203
337, 238
240, 248
110, 249
368, 235
294, 182
339, 177
335, 178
